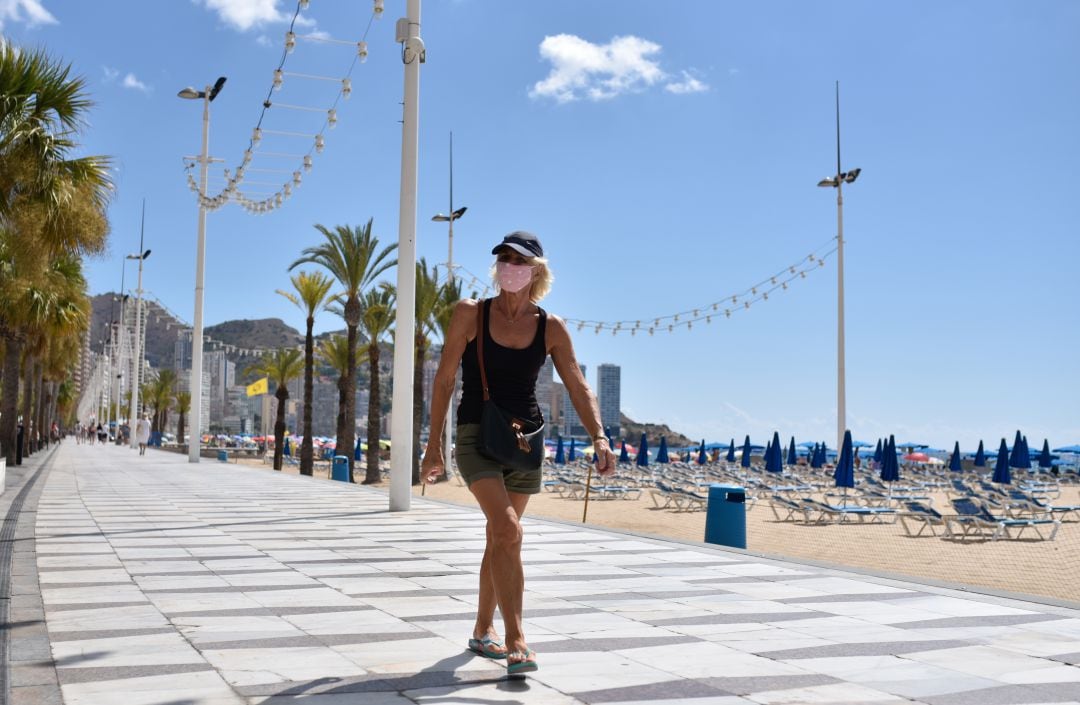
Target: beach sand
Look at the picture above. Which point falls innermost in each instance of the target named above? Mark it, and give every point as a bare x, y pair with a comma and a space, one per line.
1042, 568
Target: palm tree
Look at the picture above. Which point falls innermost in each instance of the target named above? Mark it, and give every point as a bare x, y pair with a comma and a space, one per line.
183, 406
353, 257
377, 318
50, 204
334, 351
427, 304
281, 366
158, 394
311, 291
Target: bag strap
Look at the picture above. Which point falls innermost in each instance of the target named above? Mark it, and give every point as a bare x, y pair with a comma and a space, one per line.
480, 346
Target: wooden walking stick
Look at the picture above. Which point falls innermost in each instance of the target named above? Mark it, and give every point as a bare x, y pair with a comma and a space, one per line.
588, 484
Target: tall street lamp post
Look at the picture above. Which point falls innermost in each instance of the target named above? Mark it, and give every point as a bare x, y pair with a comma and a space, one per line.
412, 55
837, 183
449, 219
140, 334
207, 96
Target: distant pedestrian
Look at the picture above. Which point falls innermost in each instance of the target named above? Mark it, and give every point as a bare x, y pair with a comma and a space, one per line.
142, 433
102, 435
501, 344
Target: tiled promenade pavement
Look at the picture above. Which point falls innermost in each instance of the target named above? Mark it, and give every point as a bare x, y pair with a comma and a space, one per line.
164, 582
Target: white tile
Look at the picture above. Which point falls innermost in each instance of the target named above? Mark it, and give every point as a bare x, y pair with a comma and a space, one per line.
836, 693
139, 650
204, 688
709, 660
242, 667
91, 595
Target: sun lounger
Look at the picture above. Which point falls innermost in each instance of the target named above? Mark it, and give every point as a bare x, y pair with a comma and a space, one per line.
975, 520
792, 510
822, 513
925, 517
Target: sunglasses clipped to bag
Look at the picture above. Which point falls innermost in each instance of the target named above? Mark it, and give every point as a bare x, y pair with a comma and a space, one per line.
510, 441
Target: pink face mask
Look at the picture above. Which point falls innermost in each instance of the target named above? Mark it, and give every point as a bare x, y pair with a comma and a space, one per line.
513, 277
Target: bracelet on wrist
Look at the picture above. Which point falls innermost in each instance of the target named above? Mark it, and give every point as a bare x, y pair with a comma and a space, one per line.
597, 439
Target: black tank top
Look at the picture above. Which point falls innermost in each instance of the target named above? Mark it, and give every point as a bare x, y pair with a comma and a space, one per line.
511, 374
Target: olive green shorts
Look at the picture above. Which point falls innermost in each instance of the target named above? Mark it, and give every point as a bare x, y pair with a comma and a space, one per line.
474, 466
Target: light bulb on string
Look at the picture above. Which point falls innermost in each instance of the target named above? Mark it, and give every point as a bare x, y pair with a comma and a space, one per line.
378, 9
286, 189
670, 328
792, 269
307, 162
361, 51
753, 291
278, 200
802, 275
765, 296
734, 299
256, 135
296, 178
346, 88
331, 118
278, 79
290, 42
746, 304
304, 4
320, 144
650, 330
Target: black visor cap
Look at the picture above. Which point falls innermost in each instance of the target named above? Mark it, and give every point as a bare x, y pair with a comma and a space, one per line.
525, 244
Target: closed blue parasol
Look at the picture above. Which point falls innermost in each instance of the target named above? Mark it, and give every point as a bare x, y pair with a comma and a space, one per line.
877, 452
731, 452
624, 454
845, 466
980, 456
815, 457
1045, 459
792, 455
571, 456
890, 466
1026, 457
745, 462
358, 452
1015, 459
661, 453
774, 456
701, 457
643, 452
287, 449
954, 462
1001, 468
560, 453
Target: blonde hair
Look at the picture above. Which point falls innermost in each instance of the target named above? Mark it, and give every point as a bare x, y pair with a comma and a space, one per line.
541, 285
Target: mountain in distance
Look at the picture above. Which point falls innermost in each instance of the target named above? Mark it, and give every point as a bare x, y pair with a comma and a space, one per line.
161, 327
268, 333
632, 431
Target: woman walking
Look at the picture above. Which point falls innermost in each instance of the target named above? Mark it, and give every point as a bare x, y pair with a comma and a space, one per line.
515, 337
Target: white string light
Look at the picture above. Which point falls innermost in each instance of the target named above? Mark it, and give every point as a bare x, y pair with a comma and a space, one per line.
230, 186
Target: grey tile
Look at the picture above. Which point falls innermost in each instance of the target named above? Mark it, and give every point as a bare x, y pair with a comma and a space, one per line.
58, 637
29, 648
861, 597
746, 618
372, 683
998, 620
1072, 659
759, 684
668, 690
66, 607
614, 643
530, 614
86, 675
875, 648
269, 643
1011, 695
32, 673
362, 638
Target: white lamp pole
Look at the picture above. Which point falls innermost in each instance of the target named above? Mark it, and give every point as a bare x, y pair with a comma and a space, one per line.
207, 96
408, 33
448, 439
139, 335
837, 182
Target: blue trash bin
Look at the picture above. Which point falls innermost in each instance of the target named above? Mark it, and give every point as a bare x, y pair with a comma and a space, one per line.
725, 520
223, 456
340, 470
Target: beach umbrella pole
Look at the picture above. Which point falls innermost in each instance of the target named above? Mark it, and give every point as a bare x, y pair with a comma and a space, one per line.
588, 487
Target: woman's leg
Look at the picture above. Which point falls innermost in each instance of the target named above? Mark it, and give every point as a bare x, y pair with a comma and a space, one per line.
485, 609
503, 557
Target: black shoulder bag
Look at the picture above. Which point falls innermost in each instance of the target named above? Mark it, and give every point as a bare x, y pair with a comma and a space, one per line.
512, 442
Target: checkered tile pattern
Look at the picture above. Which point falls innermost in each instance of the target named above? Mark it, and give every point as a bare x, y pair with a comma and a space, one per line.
213, 584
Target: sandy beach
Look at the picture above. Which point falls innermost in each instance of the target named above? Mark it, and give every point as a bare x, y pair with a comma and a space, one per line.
1042, 568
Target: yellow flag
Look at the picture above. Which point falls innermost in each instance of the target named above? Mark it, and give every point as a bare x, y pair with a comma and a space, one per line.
261, 386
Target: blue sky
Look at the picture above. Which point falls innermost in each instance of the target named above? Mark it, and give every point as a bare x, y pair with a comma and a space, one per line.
667, 155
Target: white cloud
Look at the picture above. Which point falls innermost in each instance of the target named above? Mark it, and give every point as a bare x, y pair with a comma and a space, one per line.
245, 14
581, 69
688, 84
111, 74
263, 40
32, 12
596, 71
131, 82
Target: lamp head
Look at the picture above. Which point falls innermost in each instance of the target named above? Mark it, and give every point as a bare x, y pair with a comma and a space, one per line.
190, 93
459, 212
849, 178
832, 182
440, 218
218, 85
